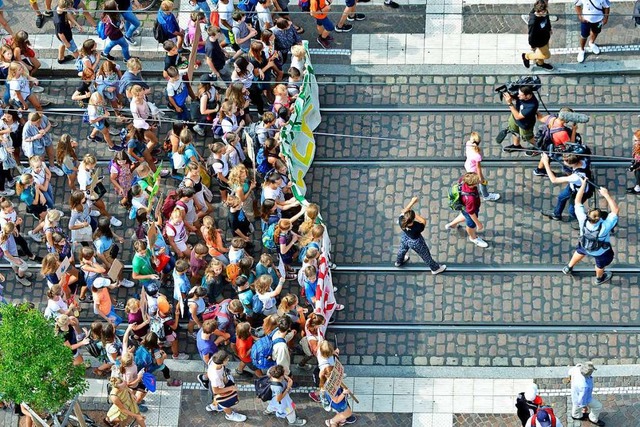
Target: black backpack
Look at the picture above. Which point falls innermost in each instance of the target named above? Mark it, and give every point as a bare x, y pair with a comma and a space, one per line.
263, 388
636, 13
590, 189
160, 34
589, 239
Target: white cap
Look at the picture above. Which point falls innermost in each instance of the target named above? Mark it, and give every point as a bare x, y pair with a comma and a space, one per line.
531, 392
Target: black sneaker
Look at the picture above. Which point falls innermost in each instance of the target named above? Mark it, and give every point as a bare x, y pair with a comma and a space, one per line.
391, 4
502, 135
94, 138
109, 57
540, 172
203, 381
356, 17
525, 61
323, 42
400, 264
546, 66
551, 215
344, 29
568, 270
531, 153
39, 21
632, 190
184, 51
115, 148
131, 41
603, 279
352, 419
511, 148
48, 13
67, 58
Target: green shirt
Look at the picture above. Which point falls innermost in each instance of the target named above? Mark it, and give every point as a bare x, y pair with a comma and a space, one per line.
142, 264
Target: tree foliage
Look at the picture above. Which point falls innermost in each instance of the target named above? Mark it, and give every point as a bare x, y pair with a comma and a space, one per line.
35, 365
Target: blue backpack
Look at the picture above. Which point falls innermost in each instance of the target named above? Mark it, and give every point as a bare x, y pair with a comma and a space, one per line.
143, 359
256, 304
102, 30
249, 8
262, 162
261, 351
267, 237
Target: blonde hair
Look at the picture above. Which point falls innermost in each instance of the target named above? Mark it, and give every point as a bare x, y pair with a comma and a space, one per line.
136, 90
132, 306
134, 64
89, 159
235, 173
96, 99
263, 284
166, 5
326, 349
472, 179
298, 51
474, 139
287, 303
280, 89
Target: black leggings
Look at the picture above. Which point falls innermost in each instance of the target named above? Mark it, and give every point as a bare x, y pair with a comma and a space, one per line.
166, 373
5, 175
255, 94
23, 246
637, 175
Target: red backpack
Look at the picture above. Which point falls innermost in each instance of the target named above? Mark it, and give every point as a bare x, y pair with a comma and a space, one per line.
170, 203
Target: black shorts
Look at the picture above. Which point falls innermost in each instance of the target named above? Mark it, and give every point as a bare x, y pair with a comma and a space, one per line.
36, 210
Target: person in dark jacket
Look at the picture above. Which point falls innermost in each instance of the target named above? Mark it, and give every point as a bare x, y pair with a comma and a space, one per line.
539, 36
527, 403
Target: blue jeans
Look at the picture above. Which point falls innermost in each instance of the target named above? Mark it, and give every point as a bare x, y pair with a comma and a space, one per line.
48, 196
7, 93
565, 195
204, 7
131, 22
120, 42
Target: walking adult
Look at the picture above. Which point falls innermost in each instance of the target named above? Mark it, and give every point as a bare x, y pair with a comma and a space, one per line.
582, 394
224, 389
579, 169
593, 15
470, 198
635, 164
412, 226
539, 36
522, 119
595, 239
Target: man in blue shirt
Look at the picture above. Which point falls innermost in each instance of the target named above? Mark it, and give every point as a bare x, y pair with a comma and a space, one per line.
595, 234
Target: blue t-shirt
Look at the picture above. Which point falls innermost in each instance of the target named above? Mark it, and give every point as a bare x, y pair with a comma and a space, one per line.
102, 244
310, 289
180, 285
206, 347
168, 22
28, 195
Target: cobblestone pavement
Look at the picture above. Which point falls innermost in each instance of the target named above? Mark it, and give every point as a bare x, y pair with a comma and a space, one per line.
516, 232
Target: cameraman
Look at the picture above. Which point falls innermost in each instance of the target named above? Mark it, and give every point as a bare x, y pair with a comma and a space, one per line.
522, 119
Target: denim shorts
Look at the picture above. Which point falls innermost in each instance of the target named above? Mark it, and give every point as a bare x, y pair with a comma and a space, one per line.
602, 260
468, 220
325, 23
590, 27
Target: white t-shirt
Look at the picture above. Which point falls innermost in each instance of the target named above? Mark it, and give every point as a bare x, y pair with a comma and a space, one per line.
270, 193
177, 231
216, 376
20, 84
84, 178
264, 16
53, 308
174, 87
8, 217
221, 165
225, 11
593, 10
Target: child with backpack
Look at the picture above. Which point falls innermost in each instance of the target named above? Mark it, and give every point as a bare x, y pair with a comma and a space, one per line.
266, 295
219, 164
176, 233
285, 240
265, 266
236, 251
181, 283
169, 23
214, 280
244, 342
281, 404
309, 284
238, 222
121, 176
178, 93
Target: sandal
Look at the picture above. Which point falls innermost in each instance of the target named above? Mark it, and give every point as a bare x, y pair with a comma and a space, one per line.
174, 383
109, 423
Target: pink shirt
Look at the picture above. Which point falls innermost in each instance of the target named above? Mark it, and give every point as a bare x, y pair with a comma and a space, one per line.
473, 158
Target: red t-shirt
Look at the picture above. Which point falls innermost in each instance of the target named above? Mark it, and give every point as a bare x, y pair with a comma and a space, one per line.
243, 347
471, 202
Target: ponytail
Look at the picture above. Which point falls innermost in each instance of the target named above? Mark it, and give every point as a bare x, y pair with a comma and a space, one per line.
408, 217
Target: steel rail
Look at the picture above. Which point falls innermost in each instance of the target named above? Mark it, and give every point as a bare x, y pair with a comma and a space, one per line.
451, 268
480, 327
383, 109
447, 162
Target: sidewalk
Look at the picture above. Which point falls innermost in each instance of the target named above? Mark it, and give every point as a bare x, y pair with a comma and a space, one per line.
438, 397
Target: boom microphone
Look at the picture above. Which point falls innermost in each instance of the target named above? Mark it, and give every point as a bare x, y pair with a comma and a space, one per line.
570, 116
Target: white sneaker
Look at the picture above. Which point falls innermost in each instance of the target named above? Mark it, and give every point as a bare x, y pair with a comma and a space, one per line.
213, 408
127, 283
113, 131
492, 197
197, 129
115, 221
581, 56
479, 242
525, 18
23, 281
448, 226
94, 213
236, 417
7, 193
594, 48
35, 236
56, 170
442, 268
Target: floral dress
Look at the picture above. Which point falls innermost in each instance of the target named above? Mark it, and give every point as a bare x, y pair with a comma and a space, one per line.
125, 178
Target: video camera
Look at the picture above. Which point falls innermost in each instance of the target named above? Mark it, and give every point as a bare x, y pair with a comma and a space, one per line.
513, 87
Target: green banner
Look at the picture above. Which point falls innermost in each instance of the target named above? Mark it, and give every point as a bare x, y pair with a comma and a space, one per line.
298, 143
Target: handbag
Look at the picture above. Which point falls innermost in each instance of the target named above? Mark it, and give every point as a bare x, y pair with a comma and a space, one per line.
84, 234
205, 178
